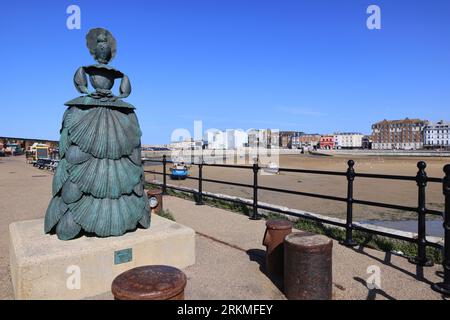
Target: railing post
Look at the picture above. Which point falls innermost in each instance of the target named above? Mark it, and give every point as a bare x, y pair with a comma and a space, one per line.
444, 287
255, 215
421, 179
349, 242
200, 185
164, 187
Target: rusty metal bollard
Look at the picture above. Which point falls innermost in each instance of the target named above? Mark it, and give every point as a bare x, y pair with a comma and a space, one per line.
307, 266
150, 283
276, 231
156, 200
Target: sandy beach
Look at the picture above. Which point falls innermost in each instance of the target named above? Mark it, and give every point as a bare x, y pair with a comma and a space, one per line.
389, 191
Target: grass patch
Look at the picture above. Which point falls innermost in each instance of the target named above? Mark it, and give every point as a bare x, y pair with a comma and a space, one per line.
227, 205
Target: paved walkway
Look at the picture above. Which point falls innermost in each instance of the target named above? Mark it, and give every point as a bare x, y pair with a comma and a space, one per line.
25, 192
216, 269
229, 250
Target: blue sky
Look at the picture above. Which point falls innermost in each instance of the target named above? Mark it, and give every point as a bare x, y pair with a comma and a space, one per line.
307, 65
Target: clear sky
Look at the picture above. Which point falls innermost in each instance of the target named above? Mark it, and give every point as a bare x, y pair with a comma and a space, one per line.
306, 65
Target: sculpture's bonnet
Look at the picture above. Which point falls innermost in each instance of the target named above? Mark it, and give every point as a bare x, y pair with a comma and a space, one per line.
92, 40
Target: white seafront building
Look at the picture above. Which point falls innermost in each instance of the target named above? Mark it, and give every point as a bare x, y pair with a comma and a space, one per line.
437, 135
231, 139
214, 139
348, 140
236, 139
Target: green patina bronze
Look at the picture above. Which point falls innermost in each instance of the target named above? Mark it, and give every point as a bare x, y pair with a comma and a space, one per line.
98, 185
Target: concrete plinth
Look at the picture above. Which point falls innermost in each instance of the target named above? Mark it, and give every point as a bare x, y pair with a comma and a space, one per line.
43, 267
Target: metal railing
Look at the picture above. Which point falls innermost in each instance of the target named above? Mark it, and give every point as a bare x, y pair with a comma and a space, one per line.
421, 180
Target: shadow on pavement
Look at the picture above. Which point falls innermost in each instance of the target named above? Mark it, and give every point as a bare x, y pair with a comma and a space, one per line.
259, 256
372, 293
419, 275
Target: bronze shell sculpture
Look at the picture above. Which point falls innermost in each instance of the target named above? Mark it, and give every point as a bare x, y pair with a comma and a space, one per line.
98, 187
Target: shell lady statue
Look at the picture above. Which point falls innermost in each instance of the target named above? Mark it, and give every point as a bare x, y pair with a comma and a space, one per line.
98, 185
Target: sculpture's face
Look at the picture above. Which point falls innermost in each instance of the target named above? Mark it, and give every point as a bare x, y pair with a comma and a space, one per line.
103, 52
103, 49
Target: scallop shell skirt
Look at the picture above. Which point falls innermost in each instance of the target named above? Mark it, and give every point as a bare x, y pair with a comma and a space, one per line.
98, 184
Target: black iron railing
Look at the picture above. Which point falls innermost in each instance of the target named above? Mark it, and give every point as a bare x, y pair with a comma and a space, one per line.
421, 180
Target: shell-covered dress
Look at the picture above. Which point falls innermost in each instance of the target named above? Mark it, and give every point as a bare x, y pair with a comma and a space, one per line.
98, 184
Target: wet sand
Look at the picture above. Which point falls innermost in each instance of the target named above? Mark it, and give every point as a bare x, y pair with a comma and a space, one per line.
388, 191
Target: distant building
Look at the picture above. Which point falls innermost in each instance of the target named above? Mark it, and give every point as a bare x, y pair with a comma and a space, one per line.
273, 139
398, 134
327, 142
208, 137
367, 142
155, 147
306, 140
348, 140
253, 137
188, 144
286, 139
289, 139
263, 138
236, 139
225, 140
437, 135
215, 140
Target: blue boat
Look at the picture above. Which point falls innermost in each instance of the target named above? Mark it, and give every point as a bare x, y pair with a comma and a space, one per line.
179, 171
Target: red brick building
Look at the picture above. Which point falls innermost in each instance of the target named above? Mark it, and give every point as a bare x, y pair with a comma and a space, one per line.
306, 140
404, 134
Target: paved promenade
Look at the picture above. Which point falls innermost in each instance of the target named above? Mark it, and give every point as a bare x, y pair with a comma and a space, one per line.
25, 192
399, 278
229, 250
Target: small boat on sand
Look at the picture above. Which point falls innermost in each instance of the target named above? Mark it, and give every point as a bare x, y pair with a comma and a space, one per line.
179, 171
272, 168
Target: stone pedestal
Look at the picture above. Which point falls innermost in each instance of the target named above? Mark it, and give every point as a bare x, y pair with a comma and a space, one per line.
43, 267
